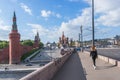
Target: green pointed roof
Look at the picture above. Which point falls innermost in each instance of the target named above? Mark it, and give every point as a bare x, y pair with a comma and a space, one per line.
14, 26
14, 14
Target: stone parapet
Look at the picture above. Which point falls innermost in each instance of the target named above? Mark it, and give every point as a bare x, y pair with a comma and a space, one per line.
49, 70
107, 59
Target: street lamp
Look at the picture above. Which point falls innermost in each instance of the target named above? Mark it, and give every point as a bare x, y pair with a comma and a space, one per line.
93, 43
81, 38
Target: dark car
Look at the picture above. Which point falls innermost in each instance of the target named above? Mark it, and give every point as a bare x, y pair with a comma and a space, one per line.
78, 48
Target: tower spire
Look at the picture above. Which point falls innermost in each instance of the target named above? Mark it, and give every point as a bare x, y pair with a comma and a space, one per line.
14, 25
14, 14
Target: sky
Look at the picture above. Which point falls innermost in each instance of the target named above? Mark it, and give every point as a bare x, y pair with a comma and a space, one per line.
51, 17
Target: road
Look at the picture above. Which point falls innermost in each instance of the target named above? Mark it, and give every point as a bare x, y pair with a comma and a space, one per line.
109, 52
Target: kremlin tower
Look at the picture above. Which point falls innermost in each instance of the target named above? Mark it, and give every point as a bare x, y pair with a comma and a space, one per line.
14, 43
36, 41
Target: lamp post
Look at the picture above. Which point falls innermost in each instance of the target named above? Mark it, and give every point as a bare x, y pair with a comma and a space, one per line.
93, 43
81, 39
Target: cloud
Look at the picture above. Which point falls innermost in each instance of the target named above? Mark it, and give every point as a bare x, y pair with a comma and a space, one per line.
26, 8
58, 16
4, 27
110, 18
45, 33
46, 14
38, 27
106, 15
71, 28
107, 12
4, 30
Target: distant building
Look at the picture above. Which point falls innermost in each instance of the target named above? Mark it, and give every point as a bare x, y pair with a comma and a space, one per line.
63, 41
77, 43
117, 40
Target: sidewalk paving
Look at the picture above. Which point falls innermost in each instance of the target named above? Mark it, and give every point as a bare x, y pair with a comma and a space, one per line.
104, 70
79, 67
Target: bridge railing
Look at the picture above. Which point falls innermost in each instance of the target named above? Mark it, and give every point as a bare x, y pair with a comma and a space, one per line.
49, 70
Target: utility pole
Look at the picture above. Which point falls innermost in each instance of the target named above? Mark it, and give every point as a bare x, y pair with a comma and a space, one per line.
93, 43
81, 38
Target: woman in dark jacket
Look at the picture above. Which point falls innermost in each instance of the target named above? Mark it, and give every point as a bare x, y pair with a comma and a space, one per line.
93, 54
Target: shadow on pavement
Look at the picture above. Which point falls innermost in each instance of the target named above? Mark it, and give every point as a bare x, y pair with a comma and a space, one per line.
71, 70
104, 67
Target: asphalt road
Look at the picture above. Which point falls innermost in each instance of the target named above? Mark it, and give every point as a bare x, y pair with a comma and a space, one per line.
109, 52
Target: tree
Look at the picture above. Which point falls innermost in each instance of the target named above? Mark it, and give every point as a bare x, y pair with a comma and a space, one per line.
3, 44
27, 42
41, 44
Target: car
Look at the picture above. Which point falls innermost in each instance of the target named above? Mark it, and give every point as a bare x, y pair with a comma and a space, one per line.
78, 49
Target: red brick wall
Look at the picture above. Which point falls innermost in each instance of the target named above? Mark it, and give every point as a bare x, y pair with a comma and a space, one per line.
4, 55
25, 49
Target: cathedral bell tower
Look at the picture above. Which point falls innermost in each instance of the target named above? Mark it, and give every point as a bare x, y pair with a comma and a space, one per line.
14, 44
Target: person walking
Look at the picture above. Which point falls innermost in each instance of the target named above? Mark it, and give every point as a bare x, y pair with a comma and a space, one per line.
94, 55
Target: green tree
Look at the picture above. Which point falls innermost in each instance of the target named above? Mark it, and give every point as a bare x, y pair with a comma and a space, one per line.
41, 44
27, 42
3, 44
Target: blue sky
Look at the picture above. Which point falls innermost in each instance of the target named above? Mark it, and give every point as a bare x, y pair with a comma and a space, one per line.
51, 17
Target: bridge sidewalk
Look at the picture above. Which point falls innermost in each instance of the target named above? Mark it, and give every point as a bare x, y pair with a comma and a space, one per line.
104, 70
79, 67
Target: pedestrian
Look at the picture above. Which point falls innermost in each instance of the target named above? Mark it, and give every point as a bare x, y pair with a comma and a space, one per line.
94, 55
62, 52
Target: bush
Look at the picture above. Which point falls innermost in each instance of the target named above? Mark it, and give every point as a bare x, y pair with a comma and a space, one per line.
27, 42
3, 44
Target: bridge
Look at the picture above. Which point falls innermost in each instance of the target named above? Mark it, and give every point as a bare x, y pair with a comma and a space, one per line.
72, 66
79, 67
